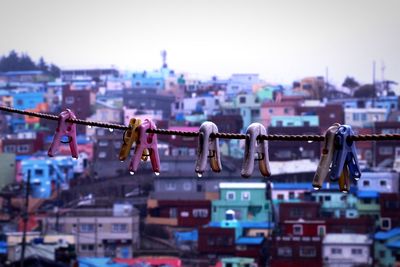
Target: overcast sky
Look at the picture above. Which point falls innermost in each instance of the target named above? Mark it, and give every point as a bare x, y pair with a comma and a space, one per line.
282, 40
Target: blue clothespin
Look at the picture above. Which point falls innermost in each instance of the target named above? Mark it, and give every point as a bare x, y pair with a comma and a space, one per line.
345, 154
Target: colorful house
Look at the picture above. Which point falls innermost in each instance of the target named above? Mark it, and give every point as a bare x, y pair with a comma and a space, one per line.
386, 247
368, 204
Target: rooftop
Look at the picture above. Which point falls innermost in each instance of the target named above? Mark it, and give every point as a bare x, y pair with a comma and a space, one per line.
347, 239
388, 234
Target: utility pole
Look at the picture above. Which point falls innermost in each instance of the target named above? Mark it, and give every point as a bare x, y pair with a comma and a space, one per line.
25, 218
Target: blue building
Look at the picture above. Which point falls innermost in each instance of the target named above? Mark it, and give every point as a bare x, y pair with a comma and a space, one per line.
45, 173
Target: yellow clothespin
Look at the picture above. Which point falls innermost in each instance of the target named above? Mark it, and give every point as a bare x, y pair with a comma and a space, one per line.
131, 136
344, 180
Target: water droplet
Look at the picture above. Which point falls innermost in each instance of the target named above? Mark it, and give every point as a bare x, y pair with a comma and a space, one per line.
90, 126
122, 161
316, 188
345, 191
310, 141
132, 173
157, 173
199, 175
111, 130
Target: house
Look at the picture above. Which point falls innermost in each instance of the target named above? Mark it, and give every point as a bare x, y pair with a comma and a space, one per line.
347, 250
100, 230
23, 143
270, 109
236, 262
382, 182
241, 83
26, 76
148, 100
389, 210
364, 117
300, 210
289, 192
285, 251
287, 151
357, 225
203, 104
7, 169
335, 204
386, 153
46, 173
386, 247
368, 204
328, 114
311, 86
95, 73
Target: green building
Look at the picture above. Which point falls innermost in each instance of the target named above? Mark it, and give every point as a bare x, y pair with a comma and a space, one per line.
247, 200
387, 247
7, 169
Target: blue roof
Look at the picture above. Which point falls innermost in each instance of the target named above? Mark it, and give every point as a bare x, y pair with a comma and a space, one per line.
258, 225
3, 247
99, 262
395, 244
292, 186
23, 72
388, 234
253, 240
368, 194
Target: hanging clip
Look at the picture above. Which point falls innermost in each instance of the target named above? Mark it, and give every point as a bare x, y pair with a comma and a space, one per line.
67, 129
344, 180
255, 145
208, 147
326, 157
131, 136
345, 154
146, 141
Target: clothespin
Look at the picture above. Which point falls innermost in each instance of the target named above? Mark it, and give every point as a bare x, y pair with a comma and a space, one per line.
131, 136
67, 129
146, 141
326, 157
208, 147
255, 145
344, 180
345, 154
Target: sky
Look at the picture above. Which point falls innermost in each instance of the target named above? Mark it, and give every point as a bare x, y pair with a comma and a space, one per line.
282, 40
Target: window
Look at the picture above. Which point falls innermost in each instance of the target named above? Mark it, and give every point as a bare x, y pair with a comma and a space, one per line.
39, 172
170, 186
230, 195
172, 212
356, 251
383, 182
119, 228
382, 253
285, 252
23, 148
327, 198
102, 155
245, 195
200, 213
187, 186
86, 228
386, 223
321, 230
103, 143
280, 197
366, 183
9, 149
87, 247
291, 195
279, 123
69, 100
286, 110
242, 100
295, 213
297, 229
308, 252
385, 150
210, 241
336, 251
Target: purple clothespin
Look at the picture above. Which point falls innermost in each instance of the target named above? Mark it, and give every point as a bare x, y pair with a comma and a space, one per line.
67, 129
146, 141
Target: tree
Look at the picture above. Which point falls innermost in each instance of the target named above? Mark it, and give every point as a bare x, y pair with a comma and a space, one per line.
350, 83
366, 90
54, 70
26, 63
42, 65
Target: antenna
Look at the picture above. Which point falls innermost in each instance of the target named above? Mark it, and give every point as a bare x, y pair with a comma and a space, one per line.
164, 59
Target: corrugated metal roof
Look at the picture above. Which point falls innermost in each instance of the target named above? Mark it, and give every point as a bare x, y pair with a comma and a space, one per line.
388, 234
347, 239
253, 240
368, 194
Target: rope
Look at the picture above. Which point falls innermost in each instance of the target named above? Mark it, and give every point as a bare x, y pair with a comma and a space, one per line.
269, 137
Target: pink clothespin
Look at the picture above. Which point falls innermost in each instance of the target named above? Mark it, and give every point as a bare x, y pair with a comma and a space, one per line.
146, 141
65, 128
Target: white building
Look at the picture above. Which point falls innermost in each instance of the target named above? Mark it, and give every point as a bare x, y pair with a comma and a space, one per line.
383, 182
364, 117
346, 250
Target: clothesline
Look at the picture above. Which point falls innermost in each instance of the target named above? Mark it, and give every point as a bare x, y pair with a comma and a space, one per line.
269, 137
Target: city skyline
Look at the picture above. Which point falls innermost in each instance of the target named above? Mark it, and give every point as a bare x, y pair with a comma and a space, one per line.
282, 41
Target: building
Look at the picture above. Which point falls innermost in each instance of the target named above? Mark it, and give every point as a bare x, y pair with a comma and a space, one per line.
364, 117
382, 182
7, 169
335, 204
99, 230
346, 250
387, 153
23, 143
368, 204
328, 114
96, 73
389, 210
288, 251
386, 247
